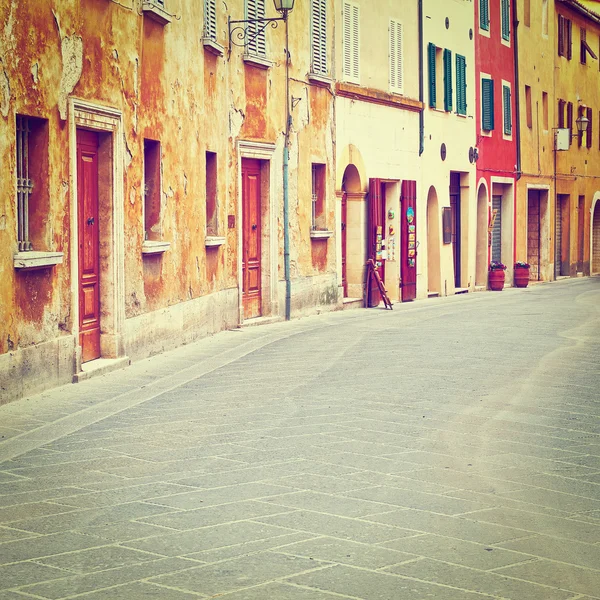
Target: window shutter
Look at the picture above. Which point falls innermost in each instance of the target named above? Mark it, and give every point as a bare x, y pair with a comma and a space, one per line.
569, 38
589, 133
431, 60
484, 14
351, 42
255, 9
507, 110
447, 79
487, 104
461, 85
396, 65
570, 121
319, 36
505, 20
561, 114
210, 19
561, 35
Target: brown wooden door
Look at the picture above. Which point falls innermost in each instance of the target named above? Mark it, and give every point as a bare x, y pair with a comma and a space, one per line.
251, 231
89, 264
343, 237
456, 218
408, 239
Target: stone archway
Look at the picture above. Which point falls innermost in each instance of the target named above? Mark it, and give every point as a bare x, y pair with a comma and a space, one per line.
434, 279
481, 256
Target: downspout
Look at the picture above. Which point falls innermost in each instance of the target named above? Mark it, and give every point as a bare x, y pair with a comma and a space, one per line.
422, 111
517, 122
286, 204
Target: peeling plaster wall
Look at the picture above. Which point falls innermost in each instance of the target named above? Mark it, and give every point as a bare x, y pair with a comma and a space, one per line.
169, 88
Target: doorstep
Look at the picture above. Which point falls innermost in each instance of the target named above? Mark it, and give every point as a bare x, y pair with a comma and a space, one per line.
100, 366
461, 291
253, 322
352, 303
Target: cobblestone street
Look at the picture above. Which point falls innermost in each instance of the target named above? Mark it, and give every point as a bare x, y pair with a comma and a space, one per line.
348, 455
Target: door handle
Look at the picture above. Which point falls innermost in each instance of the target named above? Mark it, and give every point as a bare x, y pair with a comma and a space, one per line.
254, 226
90, 221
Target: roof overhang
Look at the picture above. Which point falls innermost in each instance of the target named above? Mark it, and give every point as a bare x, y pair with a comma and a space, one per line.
582, 9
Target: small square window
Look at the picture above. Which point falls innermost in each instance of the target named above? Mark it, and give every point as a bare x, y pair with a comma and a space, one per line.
212, 225
318, 197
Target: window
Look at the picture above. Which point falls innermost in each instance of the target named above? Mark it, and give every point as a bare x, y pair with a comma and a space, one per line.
396, 63
507, 109
33, 200
210, 19
561, 114
528, 111
318, 37
527, 13
318, 197
589, 133
351, 40
585, 48
505, 9
461, 85
211, 195
545, 17
565, 35
487, 104
570, 121
156, 10
255, 9
152, 190
484, 15
545, 109
431, 56
447, 80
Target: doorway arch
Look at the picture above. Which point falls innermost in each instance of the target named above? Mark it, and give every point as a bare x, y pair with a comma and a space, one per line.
434, 279
595, 236
481, 256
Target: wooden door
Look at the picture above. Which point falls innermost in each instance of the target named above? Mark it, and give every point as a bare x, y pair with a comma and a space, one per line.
456, 233
375, 224
497, 229
89, 263
408, 239
343, 238
251, 233
534, 226
580, 232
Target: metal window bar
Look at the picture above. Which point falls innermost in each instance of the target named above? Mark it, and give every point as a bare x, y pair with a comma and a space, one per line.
24, 184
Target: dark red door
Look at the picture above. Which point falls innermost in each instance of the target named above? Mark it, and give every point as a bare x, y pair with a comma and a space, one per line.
251, 267
408, 239
89, 264
375, 236
343, 237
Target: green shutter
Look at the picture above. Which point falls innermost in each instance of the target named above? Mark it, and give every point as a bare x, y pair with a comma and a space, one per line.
447, 79
487, 104
505, 20
484, 14
507, 110
461, 85
431, 61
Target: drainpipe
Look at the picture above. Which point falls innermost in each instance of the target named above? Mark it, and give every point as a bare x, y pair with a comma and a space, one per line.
286, 204
517, 95
421, 113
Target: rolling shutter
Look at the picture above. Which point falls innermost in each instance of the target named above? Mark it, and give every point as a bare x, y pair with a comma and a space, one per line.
431, 62
396, 65
318, 24
487, 104
447, 79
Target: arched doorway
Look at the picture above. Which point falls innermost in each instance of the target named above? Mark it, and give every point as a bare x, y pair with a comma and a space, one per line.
481, 258
595, 252
353, 233
434, 280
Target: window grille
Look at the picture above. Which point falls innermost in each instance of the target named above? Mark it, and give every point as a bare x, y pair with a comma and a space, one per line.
318, 28
24, 184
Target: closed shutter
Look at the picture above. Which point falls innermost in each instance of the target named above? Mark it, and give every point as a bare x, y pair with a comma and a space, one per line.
318, 25
505, 20
431, 48
558, 240
484, 14
561, 35
588, 139
507, 110
255, 9
210, 19
569, 38
461, 85
351, 39
396, 64
561, 114
487, 104
497, 229
570, 121
447, 79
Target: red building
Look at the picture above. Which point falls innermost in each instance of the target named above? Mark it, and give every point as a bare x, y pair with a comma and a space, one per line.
497, 135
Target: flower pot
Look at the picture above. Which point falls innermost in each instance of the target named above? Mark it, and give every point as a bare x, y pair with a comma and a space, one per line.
521, 277
496, 280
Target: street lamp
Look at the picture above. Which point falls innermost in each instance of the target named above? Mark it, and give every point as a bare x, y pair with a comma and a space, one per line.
582, 123
245, 31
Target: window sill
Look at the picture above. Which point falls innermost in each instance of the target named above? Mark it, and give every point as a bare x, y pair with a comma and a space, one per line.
320, 234
322, 80
155, 12
36, 260
212, 46
258, 61
155, 247
213, 241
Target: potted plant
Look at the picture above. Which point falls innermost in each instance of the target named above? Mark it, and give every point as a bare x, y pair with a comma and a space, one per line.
496, 276
521, 277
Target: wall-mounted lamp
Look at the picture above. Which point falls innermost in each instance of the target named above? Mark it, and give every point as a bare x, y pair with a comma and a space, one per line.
582, 124
246, 31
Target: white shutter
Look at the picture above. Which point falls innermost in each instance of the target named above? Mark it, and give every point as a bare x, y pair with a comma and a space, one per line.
318, 24
255, 9
396, 66
210, 19
351, 40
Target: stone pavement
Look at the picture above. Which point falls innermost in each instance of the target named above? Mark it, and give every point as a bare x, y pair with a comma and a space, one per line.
447, 449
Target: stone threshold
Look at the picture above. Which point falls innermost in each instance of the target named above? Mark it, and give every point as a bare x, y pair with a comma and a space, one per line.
100, 366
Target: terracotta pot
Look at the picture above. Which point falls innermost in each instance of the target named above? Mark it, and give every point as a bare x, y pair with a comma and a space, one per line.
521, 277
496, 280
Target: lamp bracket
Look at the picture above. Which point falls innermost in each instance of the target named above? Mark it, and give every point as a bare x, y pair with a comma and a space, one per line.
245, 31
295, 101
